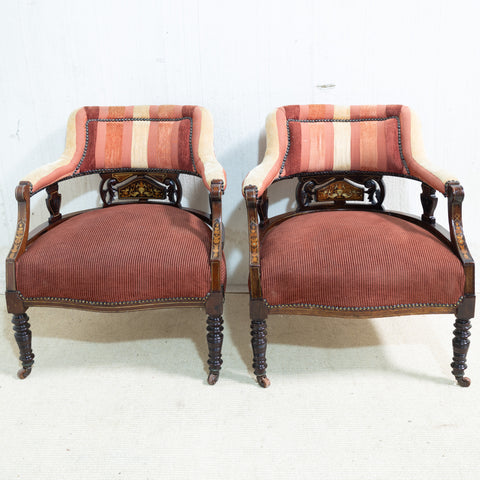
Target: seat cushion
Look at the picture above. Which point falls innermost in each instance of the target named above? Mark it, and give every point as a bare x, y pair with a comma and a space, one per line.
123, 253
357, 259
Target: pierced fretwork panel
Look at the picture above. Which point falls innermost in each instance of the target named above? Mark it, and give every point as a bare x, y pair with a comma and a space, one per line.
315, 190
144, 187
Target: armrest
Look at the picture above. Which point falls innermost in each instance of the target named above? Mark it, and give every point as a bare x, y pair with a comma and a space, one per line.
415, 156
455, 198
218, 235
207, 165
262, 176
253, 241
22, 194
51, 173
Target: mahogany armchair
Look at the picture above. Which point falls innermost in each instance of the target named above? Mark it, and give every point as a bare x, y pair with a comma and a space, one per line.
141, 249
341, 253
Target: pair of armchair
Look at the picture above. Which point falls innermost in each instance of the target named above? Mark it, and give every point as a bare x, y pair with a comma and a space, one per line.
340, 253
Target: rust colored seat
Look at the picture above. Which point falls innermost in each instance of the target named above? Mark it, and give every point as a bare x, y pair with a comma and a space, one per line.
134, 247
141, 249
340, 253
345, 264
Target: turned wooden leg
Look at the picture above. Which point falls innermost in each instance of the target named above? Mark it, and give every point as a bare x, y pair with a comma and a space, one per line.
259, 346
215, 340
460, 348
23, 336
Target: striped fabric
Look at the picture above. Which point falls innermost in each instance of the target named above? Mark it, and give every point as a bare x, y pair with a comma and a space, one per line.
318, 138
139, 137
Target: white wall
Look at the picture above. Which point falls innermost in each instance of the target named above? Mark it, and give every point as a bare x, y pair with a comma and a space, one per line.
240, 60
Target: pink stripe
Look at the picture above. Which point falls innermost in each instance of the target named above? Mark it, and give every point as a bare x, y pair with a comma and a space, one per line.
126, 160
174, 160
405, 125
101, 138
355, 143
197, 125
328, 141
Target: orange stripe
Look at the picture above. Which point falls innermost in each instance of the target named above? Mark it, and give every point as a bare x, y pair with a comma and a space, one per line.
153, 137
159, 148
382, 159
320, 111
114, 134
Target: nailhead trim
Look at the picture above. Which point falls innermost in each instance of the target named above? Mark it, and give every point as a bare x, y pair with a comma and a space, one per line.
356, 309
140, 119
134, 302
324, 120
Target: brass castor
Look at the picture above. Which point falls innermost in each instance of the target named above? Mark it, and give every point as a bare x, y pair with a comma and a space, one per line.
464, 381
24, 372
212, 378
263, 381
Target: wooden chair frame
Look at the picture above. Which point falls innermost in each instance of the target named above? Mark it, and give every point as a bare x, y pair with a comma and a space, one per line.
336, 190
119, 187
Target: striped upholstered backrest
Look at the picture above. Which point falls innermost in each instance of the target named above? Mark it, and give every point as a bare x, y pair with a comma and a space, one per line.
99, 139
333, 138
137, 137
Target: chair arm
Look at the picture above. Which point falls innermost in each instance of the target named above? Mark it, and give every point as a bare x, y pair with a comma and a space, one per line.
22, 194
455, 195
253, 241
218, 235
416, 157
265, 173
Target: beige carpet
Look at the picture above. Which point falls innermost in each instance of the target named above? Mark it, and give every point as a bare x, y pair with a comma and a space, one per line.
124, 396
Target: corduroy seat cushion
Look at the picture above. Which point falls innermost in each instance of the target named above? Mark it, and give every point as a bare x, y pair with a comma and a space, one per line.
123, 253
357, 259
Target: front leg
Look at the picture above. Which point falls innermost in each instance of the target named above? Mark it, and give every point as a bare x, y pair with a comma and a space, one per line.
23, 336
215, 341
460, 344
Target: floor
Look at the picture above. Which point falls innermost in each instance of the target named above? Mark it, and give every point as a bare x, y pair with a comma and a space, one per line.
124, 396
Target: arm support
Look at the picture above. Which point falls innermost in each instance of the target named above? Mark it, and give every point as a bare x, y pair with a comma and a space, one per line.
455, 195
216, 252
253, 241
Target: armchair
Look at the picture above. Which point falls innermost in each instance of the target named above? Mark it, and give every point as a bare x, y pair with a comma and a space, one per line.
341, 253
141, 249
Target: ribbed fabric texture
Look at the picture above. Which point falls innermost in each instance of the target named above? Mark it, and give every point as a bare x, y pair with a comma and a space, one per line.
138, 137
122, 253
357, 259
336, 138
328, 137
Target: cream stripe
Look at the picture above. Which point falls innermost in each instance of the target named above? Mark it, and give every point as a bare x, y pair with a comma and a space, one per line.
212, 170
418, 150
259, 174
65, 158
139, 151
341, 111
342, 157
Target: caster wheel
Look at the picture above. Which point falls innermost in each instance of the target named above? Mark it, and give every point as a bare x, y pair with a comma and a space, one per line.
24, 373
212, 378
464, 381
263, 381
